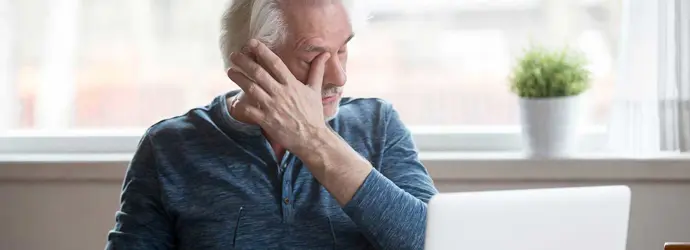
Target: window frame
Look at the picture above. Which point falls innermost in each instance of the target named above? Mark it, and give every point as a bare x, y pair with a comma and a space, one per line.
427, 139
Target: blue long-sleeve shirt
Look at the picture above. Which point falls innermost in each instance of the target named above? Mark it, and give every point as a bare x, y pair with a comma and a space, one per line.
204, 180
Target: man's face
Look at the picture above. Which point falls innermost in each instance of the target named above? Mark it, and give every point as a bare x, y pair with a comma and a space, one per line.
315, 27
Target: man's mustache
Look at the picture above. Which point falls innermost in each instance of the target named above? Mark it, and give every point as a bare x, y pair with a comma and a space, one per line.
331, 90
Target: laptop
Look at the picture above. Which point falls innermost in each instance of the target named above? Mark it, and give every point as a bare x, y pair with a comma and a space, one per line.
574, 218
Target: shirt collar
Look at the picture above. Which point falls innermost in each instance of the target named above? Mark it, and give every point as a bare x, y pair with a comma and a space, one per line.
229, 121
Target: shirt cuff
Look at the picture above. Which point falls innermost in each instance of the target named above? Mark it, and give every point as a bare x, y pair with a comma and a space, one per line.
371, 198
389, 217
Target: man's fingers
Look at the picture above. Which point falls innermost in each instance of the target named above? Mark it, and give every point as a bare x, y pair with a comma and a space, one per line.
249, 87
270, 61
317, 70
255, 72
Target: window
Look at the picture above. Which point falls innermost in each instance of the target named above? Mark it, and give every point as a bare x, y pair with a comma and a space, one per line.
106, 67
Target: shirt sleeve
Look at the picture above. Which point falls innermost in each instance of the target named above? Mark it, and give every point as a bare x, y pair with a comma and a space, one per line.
390, 206
141, 222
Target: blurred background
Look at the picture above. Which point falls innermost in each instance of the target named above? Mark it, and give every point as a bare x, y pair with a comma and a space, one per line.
104, 70
103, 64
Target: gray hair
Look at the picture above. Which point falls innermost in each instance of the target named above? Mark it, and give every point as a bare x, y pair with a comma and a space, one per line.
259, 19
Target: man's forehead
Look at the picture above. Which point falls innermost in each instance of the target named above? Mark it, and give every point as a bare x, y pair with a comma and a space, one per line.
306, 3
311, 47
302, 10
311, 27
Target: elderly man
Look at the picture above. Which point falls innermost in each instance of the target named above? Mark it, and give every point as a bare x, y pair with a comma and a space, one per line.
286, 163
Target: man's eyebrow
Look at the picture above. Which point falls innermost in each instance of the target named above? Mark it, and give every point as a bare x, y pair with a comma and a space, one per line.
320, 49
349, 38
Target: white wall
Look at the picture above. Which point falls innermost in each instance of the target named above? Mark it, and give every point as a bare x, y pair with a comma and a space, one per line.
71, 206
56, 215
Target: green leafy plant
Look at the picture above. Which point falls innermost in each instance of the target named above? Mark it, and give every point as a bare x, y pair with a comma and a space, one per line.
543, 73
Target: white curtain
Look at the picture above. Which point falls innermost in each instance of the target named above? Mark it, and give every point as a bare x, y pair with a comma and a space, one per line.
651, 105
8, 100
674, 83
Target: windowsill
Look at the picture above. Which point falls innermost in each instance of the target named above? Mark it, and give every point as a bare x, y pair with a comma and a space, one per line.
516, 167
448, 166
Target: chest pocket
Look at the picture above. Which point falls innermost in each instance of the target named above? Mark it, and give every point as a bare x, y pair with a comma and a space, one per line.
237, 227
254, 228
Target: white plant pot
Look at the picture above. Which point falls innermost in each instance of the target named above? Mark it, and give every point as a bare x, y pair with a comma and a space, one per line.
551, 126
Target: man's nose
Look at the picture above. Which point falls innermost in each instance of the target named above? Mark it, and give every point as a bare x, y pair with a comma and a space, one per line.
335, 72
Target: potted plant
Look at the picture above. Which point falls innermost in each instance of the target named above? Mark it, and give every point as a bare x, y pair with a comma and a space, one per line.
550, 84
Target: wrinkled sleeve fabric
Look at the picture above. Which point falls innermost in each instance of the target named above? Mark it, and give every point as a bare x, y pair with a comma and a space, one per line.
390, 206
141, 222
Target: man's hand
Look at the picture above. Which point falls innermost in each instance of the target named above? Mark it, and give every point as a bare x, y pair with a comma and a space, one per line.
291, 114
289, 111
